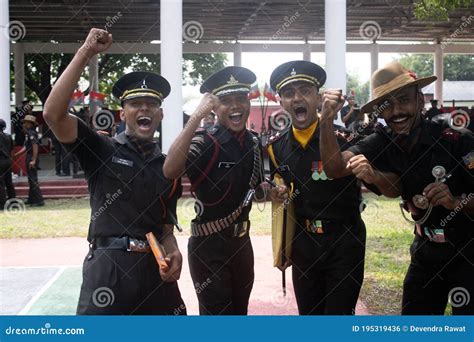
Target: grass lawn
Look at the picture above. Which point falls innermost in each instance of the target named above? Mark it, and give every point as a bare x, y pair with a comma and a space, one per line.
388, 239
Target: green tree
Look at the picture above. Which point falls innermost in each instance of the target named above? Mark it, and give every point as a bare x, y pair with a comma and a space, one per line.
361, 89
42, 70
456, 67
438, 10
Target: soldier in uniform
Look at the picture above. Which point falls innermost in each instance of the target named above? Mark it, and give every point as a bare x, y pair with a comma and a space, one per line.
224, 167
435, 166
329, 244
130, 197
31, 147
6, 147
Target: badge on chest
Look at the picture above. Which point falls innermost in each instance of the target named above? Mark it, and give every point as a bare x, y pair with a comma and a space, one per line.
121, 161
317, 172
225, 165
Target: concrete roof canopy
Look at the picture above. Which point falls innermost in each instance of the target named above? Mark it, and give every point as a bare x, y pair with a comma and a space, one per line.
70, 20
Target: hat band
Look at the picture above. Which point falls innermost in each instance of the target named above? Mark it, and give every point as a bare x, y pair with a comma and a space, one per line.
140, 92
30, 118
394, 84
219, 90
229, 91
294, 78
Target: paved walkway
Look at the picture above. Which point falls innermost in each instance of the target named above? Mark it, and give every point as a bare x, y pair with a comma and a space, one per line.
43, 276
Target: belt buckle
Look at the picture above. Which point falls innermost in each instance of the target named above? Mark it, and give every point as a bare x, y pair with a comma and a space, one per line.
240, 231
435, 235
135, 245
315, 226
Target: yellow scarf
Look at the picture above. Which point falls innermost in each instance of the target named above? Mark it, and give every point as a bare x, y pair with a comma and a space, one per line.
303, 136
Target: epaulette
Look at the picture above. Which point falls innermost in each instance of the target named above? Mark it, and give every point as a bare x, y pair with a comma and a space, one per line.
200, 130
204, 131
212, 130
277, 136
451, 134
344, 135
253, 132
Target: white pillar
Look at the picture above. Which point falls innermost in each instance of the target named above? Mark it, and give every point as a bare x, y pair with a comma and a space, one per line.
238, 54
19, 68
335, 48
4, 65
171, 36
439, 72
93, 80
374, 62
307, 52
94, 73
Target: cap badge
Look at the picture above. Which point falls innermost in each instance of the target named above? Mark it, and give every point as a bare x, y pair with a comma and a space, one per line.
232, 80
293, 72
144, 86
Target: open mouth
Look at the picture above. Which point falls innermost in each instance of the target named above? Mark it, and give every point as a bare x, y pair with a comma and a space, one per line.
144, 122
301, 113
399, 120
236, 118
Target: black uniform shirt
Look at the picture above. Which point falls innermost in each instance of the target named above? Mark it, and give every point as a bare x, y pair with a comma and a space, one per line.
6, 146
330, 199
437, 145
31, 138
129, 194
220, 169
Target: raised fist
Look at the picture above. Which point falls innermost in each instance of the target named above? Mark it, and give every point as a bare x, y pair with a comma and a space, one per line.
97, 41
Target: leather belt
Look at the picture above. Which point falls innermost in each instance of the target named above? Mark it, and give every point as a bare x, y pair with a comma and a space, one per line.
320, 226
124, 243
235, 230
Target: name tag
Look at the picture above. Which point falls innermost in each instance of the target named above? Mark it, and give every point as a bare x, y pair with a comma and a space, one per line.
284, 168
122, 161
225, 165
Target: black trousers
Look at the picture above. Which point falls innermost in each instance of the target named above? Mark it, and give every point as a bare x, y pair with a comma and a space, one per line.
58, 152
3, 172
222, 271
34, 192
439, 272
67, 159
117, 282
11, 193
328, 268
